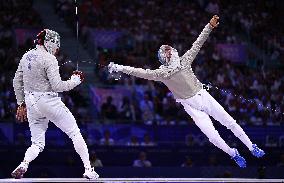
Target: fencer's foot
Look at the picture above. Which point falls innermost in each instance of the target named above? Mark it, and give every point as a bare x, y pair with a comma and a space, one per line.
257, 152
239, 159
90, 173
19, 172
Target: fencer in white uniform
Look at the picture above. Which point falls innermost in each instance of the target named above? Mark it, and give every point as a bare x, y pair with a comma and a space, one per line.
36, 83
177, 74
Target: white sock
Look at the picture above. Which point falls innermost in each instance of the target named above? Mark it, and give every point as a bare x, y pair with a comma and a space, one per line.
31, 153
82, 149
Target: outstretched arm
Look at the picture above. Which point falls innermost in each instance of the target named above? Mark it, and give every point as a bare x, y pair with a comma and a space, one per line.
190, 55
149, 74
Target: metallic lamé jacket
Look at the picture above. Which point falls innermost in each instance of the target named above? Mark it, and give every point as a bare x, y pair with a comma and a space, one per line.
38, 71
181, 80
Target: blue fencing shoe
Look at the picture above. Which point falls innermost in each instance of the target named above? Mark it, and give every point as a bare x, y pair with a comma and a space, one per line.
238, 159
257, 152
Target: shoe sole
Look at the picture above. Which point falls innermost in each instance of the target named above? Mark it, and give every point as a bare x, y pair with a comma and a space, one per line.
259, 155
85, 176
18, 174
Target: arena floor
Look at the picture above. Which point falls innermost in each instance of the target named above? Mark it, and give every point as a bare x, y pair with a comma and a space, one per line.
141, 180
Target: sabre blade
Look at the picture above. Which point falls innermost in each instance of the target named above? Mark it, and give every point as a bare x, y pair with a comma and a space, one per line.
77, 33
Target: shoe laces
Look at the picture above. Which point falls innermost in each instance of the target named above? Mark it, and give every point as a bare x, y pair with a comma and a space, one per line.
256, 149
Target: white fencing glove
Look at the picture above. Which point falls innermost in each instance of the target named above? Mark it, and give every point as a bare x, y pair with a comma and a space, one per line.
76, 79
114, 67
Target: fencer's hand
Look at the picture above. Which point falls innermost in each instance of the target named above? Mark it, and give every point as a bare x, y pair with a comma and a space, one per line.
21, 114
80, 74
76, 79
214, 22
112, 67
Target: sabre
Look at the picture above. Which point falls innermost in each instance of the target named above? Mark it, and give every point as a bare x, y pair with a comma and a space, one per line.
77, 33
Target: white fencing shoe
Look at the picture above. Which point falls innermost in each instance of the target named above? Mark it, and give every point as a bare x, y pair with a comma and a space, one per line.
90, 173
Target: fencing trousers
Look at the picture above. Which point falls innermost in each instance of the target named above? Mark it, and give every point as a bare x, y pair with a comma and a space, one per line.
43, 107
200, 107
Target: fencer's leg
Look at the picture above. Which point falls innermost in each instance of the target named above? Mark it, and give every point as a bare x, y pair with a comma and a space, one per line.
203, 121
56, 111
67, 123
214, 109
38, 128
63, 119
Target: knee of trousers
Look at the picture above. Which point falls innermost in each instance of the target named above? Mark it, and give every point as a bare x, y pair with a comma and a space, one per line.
74, 133
235, 128
230, 123
214, 137
39, 145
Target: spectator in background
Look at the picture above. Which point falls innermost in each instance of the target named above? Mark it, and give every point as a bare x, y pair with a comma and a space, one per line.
270, 141
170, 109
261, 170
126, 110
106, 140
212, 160
21, 140
133, 141
212, 7
187, 163
95, 162
147, 141
108, 111
281, 161
147, 108
142, 161
190, 140
227, 174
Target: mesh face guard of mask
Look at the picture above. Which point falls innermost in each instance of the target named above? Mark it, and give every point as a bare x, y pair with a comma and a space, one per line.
162, 54
50, 39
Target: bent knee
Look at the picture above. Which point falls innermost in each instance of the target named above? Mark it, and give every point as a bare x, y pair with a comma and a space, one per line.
227, 121
214, 136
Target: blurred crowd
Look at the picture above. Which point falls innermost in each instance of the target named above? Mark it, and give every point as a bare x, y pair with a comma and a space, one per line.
260, 25
13, 14
251, 93
155, 21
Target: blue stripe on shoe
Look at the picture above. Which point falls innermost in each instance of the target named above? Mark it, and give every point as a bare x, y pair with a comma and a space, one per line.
239, 159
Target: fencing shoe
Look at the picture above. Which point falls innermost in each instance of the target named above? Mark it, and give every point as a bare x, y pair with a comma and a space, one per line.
90, 173
20, 170
239, 159
257, 152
